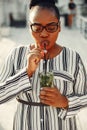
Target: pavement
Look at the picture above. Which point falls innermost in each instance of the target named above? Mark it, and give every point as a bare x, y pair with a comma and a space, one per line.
68, 37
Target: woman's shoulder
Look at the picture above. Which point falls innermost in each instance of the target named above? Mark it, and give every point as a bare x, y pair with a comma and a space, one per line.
70, 50
20, 48
25, 47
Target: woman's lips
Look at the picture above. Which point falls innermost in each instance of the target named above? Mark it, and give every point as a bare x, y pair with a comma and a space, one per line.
44, 43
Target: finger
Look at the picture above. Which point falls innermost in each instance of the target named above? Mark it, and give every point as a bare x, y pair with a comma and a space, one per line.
50, 89
36, 60
32, 46
35, 49
47, 102
46, 94
33, 56
35, 53
46, 97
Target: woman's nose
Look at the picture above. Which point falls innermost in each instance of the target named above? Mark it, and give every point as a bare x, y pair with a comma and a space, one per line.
44, 33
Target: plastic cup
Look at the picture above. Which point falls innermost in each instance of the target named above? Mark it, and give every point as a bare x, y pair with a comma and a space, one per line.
46, 79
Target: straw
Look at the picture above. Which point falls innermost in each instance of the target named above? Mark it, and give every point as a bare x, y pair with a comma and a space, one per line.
45, 60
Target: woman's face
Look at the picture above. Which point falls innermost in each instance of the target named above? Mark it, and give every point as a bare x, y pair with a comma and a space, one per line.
42, 17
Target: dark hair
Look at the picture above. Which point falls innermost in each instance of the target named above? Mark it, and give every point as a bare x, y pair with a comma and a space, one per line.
72, 6
49, 4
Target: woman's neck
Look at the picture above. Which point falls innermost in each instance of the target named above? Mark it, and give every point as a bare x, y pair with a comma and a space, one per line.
54, 51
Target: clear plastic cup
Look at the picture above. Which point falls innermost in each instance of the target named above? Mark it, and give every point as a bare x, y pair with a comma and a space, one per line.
46, 79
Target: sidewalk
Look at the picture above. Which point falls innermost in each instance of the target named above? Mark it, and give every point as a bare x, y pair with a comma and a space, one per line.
69, 38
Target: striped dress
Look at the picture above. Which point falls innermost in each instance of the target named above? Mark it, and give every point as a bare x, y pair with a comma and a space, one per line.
69, 78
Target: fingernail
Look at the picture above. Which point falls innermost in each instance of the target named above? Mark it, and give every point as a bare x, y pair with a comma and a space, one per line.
41, 88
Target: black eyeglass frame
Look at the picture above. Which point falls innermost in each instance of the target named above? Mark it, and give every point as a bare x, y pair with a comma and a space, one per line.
45, 27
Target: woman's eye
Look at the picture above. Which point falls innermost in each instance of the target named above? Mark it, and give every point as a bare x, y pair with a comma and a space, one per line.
37, 28
51, 28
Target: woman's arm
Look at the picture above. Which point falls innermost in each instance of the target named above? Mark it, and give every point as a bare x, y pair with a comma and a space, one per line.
10, 84
7, 68
78, 99
14, 85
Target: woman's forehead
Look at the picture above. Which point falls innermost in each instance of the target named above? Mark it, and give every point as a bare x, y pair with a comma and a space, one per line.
41, 14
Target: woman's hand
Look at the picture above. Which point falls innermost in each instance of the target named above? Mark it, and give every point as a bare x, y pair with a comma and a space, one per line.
53, 97
33, 60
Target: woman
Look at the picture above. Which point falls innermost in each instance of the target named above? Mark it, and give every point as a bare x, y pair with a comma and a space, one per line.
72, 12
48, 108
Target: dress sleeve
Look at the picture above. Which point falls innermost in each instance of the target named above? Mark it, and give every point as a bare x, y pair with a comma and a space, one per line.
78, 99
6, 68
10, 84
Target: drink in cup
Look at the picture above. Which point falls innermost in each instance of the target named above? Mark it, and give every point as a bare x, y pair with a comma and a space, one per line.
46, 79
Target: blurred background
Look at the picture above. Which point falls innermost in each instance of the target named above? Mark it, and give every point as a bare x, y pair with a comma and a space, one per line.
14, 31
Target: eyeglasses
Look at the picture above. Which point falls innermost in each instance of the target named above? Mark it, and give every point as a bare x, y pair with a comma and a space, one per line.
51, 27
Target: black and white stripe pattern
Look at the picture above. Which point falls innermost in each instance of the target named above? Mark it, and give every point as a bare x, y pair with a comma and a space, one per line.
69, 78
